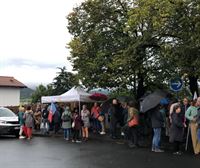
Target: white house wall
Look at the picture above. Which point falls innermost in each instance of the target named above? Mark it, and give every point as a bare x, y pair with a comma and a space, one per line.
9, 96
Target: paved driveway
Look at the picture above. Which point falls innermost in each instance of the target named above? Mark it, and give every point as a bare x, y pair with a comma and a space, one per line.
54, 152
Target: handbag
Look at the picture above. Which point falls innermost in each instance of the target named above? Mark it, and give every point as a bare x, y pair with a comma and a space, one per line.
101, 118
42, 125
133, 122
73, 124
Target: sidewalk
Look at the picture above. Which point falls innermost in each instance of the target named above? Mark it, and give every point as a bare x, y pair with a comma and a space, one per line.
92, 136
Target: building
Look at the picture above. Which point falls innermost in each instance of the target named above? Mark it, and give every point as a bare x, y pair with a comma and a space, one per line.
10, 91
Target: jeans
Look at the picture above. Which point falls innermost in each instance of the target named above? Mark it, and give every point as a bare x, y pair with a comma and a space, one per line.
96, 124
156, 138
67, 132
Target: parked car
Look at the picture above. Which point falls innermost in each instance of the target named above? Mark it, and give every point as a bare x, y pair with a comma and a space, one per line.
9, 122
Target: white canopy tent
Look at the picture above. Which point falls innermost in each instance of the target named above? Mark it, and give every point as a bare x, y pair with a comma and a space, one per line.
75, 94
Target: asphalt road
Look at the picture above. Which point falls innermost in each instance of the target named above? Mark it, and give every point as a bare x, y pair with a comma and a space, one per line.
54, 152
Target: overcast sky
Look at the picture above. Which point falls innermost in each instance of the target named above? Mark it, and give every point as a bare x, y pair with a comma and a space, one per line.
33, 36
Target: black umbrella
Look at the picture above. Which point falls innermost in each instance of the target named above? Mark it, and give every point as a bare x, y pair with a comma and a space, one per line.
152, 100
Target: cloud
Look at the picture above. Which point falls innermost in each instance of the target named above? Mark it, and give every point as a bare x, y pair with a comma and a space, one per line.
32, 63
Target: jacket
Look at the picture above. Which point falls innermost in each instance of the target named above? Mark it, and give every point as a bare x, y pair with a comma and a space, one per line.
66, 124
157, 119
29, 120
177, 128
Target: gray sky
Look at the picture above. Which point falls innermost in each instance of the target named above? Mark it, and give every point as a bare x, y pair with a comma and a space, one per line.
33, 36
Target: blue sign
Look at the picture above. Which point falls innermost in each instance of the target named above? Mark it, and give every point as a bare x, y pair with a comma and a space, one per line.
176, 84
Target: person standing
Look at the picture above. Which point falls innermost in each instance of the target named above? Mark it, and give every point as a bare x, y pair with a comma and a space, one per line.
37, 117
56, 121
29, 121
101, 119
157, 122
21, 122
132, 122
76, 125
115, 114
85, 117
177, 129
66, 123
45, 123
95, 114
191, 115
185, 105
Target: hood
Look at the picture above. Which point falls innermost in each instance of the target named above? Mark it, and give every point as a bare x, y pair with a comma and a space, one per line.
9, 118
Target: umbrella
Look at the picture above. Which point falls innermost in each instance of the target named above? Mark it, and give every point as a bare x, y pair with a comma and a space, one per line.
100, 90
98, 97
152, 100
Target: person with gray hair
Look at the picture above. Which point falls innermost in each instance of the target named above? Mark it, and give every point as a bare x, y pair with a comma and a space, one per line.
191, 115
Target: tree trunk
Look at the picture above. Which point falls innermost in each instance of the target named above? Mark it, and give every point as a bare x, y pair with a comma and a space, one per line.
140, 89
193, 83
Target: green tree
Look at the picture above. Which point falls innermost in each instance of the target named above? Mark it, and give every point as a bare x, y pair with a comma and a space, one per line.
184, 48
40, 91
63, 81
137, 44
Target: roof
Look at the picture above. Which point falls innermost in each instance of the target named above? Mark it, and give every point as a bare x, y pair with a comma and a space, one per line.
7, 81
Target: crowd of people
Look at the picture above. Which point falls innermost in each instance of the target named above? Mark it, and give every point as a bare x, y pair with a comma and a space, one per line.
176, 119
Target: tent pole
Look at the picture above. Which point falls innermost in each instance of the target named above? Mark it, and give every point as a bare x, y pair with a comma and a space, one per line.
79, 107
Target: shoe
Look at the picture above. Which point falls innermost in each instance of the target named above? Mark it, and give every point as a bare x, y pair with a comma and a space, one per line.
159, 151
67, 139
177, 153
73, 141
122, 134
153, 150
102, 133
132, 145
29, 138
78, 141
22, 137
114, 137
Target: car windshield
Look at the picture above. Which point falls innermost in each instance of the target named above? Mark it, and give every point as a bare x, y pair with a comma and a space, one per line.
4, 112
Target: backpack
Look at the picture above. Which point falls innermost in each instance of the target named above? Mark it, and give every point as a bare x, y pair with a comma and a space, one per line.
45, 114
66, 117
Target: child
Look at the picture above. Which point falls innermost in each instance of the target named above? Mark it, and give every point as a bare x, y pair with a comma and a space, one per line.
77, 124
177, 129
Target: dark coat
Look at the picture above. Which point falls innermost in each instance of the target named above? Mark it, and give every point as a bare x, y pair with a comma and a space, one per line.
157, 119
78, 122
56, 117
116, 113
177, 128
183, 111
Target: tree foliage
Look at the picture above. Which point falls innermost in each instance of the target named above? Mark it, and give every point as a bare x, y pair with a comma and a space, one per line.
135, 44
61, 83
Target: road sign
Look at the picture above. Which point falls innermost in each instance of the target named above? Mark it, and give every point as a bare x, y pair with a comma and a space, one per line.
176, 84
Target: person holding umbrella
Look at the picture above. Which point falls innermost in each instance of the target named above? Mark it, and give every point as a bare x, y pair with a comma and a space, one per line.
157, 121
